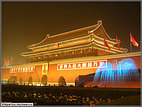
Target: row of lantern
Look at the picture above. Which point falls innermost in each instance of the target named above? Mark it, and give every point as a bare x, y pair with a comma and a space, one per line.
23, 69
73, 52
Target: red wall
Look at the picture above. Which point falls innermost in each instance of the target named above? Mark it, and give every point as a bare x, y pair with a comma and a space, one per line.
70, 75
53, 74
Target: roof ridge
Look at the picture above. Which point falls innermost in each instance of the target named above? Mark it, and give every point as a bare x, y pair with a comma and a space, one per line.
72, 31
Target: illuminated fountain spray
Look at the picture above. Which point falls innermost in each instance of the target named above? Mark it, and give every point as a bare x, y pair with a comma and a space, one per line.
127, 70
117, 73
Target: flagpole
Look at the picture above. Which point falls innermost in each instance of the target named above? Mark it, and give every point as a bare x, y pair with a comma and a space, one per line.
130, 43
104, 48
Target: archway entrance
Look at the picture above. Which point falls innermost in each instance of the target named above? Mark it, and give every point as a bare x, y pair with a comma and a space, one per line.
76, 81
30, 80
12, 79
44, 80
61, 81
79, 83
21, 80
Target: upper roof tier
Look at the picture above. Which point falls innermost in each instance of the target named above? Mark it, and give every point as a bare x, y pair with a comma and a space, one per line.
74, 34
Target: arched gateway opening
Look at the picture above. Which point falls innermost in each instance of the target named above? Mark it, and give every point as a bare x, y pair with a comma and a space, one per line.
30, 80
61, 81
44, 80
21, 80
79, 83
12, 79
76, 81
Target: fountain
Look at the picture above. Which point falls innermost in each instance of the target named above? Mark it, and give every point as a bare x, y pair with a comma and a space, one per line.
117, 74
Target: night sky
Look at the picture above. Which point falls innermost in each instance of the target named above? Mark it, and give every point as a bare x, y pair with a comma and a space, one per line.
28, 23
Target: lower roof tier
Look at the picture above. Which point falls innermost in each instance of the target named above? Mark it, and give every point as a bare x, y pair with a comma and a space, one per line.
87, 45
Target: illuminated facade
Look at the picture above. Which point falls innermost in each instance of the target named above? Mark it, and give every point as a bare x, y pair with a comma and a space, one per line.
88, 41
69, 54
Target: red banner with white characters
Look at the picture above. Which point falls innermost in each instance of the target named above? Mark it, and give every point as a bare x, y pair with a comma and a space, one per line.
22, 69
82, 65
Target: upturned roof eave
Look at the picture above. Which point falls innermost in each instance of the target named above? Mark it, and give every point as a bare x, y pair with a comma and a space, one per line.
61, 34
47, 37
121, 50
26, 53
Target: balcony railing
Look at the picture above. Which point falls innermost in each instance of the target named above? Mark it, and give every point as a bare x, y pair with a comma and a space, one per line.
71, 54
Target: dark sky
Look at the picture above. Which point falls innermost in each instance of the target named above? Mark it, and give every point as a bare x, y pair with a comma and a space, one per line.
28, 23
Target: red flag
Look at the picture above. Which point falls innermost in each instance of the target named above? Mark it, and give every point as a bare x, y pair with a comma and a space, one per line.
133, 41
12, 59
117, 42
105, 43
56, 44
5, 61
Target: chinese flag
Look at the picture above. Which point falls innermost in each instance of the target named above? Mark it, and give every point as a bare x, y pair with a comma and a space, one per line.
5, 61
105, 43
117, 42
56, 44
12, 59
133, 41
